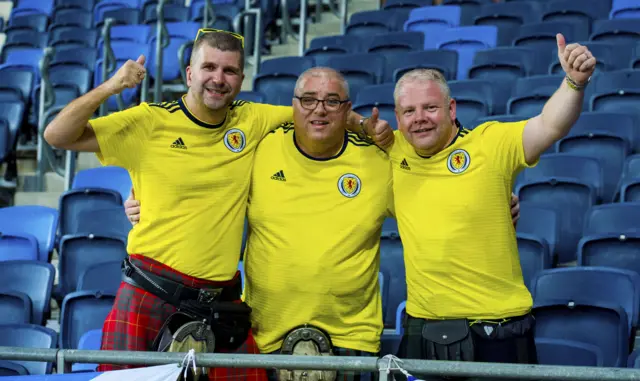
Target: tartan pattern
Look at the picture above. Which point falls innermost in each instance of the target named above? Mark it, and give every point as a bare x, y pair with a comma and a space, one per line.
137, 316
341, 375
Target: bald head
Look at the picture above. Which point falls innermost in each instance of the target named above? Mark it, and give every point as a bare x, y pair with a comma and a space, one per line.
322, 73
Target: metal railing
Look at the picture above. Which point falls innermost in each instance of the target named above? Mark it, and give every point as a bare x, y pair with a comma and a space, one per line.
64, 357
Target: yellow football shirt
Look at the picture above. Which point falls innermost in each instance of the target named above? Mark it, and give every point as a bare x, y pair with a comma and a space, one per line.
191, 177
460, 248
314, 236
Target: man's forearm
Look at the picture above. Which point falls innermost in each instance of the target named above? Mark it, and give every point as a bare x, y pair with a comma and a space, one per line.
69, 125
562, 110
353, 123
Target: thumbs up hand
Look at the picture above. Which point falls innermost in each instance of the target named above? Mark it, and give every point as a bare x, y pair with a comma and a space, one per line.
576, 60
128, 76
379, 130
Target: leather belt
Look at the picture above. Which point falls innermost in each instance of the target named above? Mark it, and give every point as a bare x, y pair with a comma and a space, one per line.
175, 292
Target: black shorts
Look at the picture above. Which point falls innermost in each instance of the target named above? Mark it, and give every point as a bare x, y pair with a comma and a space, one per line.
509, 342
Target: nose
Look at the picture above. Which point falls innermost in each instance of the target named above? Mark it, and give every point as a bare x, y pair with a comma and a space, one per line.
320, 109
216, 76
420, 116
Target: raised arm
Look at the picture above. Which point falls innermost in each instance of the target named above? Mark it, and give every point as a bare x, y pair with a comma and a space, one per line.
563, 109
71, 130
378, 130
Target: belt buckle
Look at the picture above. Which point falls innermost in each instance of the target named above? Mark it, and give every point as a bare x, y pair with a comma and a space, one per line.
208, 295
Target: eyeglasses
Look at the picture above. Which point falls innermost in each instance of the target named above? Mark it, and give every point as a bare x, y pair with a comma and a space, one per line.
202, 31
310, 103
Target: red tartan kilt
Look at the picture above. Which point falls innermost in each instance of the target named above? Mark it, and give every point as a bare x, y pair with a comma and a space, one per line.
137, 316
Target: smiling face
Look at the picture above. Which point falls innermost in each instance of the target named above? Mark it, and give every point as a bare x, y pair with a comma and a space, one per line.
425, 112
315, 120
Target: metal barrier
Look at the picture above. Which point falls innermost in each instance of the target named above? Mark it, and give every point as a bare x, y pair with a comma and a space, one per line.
64, 357
301, 37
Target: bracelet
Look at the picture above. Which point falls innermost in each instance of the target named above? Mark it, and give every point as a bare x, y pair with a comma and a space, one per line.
573, 85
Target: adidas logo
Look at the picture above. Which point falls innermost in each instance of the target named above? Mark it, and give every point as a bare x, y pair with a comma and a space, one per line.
179, 143
279, 176
405, 165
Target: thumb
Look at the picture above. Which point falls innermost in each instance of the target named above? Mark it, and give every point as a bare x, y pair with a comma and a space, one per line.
141, 60
133, 194
562, 43
375, 114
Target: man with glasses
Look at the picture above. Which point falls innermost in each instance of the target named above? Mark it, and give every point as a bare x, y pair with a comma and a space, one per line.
318, 198
189, 162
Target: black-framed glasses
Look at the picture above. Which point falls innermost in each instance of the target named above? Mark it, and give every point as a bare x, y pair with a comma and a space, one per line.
310, 103
202, 31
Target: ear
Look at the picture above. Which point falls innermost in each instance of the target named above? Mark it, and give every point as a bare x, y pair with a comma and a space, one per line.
452, 109
189, 76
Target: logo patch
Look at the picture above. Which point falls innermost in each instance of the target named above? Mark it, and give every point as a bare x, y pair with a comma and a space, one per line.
405, 165
349, 185
234, 140
279, 176
458, 161
179, 143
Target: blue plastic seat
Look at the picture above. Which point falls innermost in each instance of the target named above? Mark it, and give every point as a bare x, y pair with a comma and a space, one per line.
81, 251
433, 21
359, 69
322, 47
281, 73
531, 93
170, 13
81, 312
445, 61
392, 263
474, 99
467, 40
18, 81
82, 4
541, 222
72, 17
624, 9
506, 62
76, 201
37, 22
29, 336
39, 221
395, 4
85, 57
32, 278
107, 177
568, 353
103, 276
24, 38
107, 5
618, 30
380, 96
510, 14
15, 307
396, 43
367, 23
390, 228
10, 368
607, 54
535, 256
18, 246
90, 340
33, 7
542, 35
251, 96
69, 37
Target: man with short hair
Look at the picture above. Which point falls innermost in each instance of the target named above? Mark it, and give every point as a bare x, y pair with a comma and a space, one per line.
466, 296
189, 162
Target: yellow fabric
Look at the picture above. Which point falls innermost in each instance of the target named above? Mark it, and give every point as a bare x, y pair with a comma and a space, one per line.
312, 252
191, 184
460, 248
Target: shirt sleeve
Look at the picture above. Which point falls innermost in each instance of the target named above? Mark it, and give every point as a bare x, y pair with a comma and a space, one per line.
123, 135
504, 142
269, 117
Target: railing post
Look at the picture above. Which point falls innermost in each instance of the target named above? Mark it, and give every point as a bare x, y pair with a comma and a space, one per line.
302, 38
157, 83
257, 46
106, 58
42, 166
343, 16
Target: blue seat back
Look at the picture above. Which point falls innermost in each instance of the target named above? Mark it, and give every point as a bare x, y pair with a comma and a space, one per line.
81, 312
392, 263
29, 336
18, 246
103, 276
15, 307
39, 221
32, 278
107, 177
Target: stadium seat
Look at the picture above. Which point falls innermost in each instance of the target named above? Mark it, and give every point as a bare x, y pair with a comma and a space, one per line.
474, 99
18, 246
68, 81
367, 23
390, 228
9, 368
225, 15
74, 202
82, 312
321, 48
380, 96
634, 359
37, 22
72, 17
140, 34
251, 96
80, 251
180, 33
33, 7
568, 353
535, 255
433, 21
619, 30
67, 37
15, 307
630, 182
107, 5
396, 43
542, 35
82, 4
445, 61
31, 278
630, 191
29, 336
24, 58
383, 282
90, 340
612, 218
602, 324
17, 80
24, 38
616, 91
85, 57
170, 13
531, 93
607, 54
625, 9
608, 146
39, 221
392, 263
510, 14
580, 14
120, 16
568, 184
394, 4
281, 73
103, 276
506, 62
106, 177
541, 222
466, 40
359, 69
593, 285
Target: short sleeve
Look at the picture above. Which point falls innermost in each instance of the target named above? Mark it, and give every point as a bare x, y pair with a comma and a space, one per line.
122, 136
269, 117
503, 141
